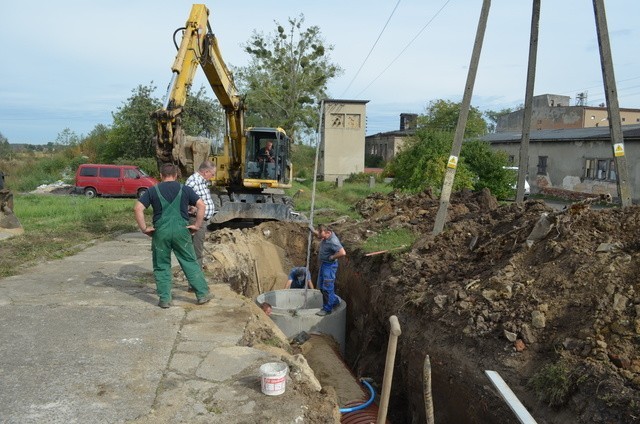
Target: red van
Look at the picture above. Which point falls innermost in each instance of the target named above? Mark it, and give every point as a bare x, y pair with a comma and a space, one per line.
112, 180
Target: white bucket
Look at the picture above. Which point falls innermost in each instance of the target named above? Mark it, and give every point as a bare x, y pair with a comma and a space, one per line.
274, 378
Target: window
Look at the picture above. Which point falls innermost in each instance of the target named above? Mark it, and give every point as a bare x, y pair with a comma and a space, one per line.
89, 172
130, 173
600, 169
542, 164
337, 120
110, 172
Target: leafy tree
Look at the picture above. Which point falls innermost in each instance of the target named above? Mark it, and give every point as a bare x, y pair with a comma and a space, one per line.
442, 115
422, 163
203, 116
287, 77
95, 143
67, 138
489, 167
493, 116
131, 135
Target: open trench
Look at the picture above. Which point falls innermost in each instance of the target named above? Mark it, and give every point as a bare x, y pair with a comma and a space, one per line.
257, 260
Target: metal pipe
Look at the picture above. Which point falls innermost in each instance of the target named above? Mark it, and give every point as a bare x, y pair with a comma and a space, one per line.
388, 368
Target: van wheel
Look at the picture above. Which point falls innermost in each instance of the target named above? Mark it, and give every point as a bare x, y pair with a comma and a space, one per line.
90, 192
141, 192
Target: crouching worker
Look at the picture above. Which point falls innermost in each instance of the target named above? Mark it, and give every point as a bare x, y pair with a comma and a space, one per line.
171, 232
329, 252
297, 277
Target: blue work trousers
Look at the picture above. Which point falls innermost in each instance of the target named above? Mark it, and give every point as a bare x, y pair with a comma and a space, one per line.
326, 283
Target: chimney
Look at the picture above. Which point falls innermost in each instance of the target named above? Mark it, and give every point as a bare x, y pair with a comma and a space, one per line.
408, 121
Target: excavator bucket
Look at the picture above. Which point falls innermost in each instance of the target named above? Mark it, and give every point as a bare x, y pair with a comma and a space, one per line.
9, 224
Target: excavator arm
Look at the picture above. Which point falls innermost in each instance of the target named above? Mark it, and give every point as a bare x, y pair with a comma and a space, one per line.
247, 187
199, 48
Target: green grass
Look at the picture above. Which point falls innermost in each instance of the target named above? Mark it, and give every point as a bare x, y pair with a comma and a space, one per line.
56, 226
394, 240
552, 383
332, 202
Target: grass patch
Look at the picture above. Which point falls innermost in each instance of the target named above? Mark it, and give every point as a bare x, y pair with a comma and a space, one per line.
552, 384
57, 226
395, 240
332, 202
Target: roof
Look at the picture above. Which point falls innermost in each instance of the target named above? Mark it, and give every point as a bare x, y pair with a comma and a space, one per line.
594, 133
345, 101
396, 133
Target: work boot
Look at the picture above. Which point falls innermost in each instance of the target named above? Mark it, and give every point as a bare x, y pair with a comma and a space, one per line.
204, 299
322, 313
165, 305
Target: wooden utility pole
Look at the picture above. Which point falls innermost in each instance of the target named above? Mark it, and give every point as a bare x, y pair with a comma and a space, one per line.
613, 109
523, 163
452, 164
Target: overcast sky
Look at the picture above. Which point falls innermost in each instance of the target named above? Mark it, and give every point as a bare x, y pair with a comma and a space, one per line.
71, 63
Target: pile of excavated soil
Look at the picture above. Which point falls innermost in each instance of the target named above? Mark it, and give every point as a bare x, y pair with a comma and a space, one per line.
549, 299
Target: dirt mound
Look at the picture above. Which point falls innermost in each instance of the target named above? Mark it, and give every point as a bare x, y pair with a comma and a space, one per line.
550, 298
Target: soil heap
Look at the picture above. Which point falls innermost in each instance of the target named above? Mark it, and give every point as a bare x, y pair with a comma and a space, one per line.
549, 299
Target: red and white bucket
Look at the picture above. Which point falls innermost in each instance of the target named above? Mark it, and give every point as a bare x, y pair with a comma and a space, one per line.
273, 378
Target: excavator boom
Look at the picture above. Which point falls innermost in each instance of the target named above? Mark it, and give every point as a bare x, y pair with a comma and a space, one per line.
248, 184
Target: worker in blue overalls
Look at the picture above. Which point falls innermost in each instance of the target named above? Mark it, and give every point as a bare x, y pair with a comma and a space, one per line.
329, 251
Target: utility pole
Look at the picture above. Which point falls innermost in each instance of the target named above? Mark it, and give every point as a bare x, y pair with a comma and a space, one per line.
523, 163
613, 109
452, 164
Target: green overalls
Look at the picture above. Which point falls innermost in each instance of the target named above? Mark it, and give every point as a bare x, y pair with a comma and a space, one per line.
171, 234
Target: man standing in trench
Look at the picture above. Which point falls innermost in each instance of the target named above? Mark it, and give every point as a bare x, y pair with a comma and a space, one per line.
329, 252
171, 232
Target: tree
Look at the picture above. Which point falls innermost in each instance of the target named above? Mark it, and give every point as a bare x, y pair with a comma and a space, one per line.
442, 115
132, 132
287, 77
489, 167
493, 116
422, 163
203, 116
67, 138
95, 143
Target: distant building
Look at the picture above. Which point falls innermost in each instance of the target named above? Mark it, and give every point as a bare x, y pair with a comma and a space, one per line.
578, 160
388, 144
551, 112
342, 138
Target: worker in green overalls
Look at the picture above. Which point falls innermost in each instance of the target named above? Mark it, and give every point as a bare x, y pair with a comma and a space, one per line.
171, 232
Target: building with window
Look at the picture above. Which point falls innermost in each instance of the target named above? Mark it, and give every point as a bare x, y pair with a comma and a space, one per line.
552, 111
387, 144
342, 138
579, 160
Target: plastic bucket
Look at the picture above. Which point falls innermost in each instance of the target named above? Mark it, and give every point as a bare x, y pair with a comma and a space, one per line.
274, 378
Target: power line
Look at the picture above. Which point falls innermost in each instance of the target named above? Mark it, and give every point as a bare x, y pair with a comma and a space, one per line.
372, 47
405, 48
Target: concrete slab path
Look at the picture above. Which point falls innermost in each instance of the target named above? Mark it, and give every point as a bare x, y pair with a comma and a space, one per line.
83, 340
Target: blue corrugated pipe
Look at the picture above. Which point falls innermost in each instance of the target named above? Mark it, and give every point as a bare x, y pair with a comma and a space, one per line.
362, 405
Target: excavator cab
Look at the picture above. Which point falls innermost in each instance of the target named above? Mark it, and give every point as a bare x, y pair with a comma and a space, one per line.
268, 162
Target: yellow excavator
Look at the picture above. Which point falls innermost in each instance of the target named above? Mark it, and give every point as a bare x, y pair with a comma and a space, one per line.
248, 185
9, 224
